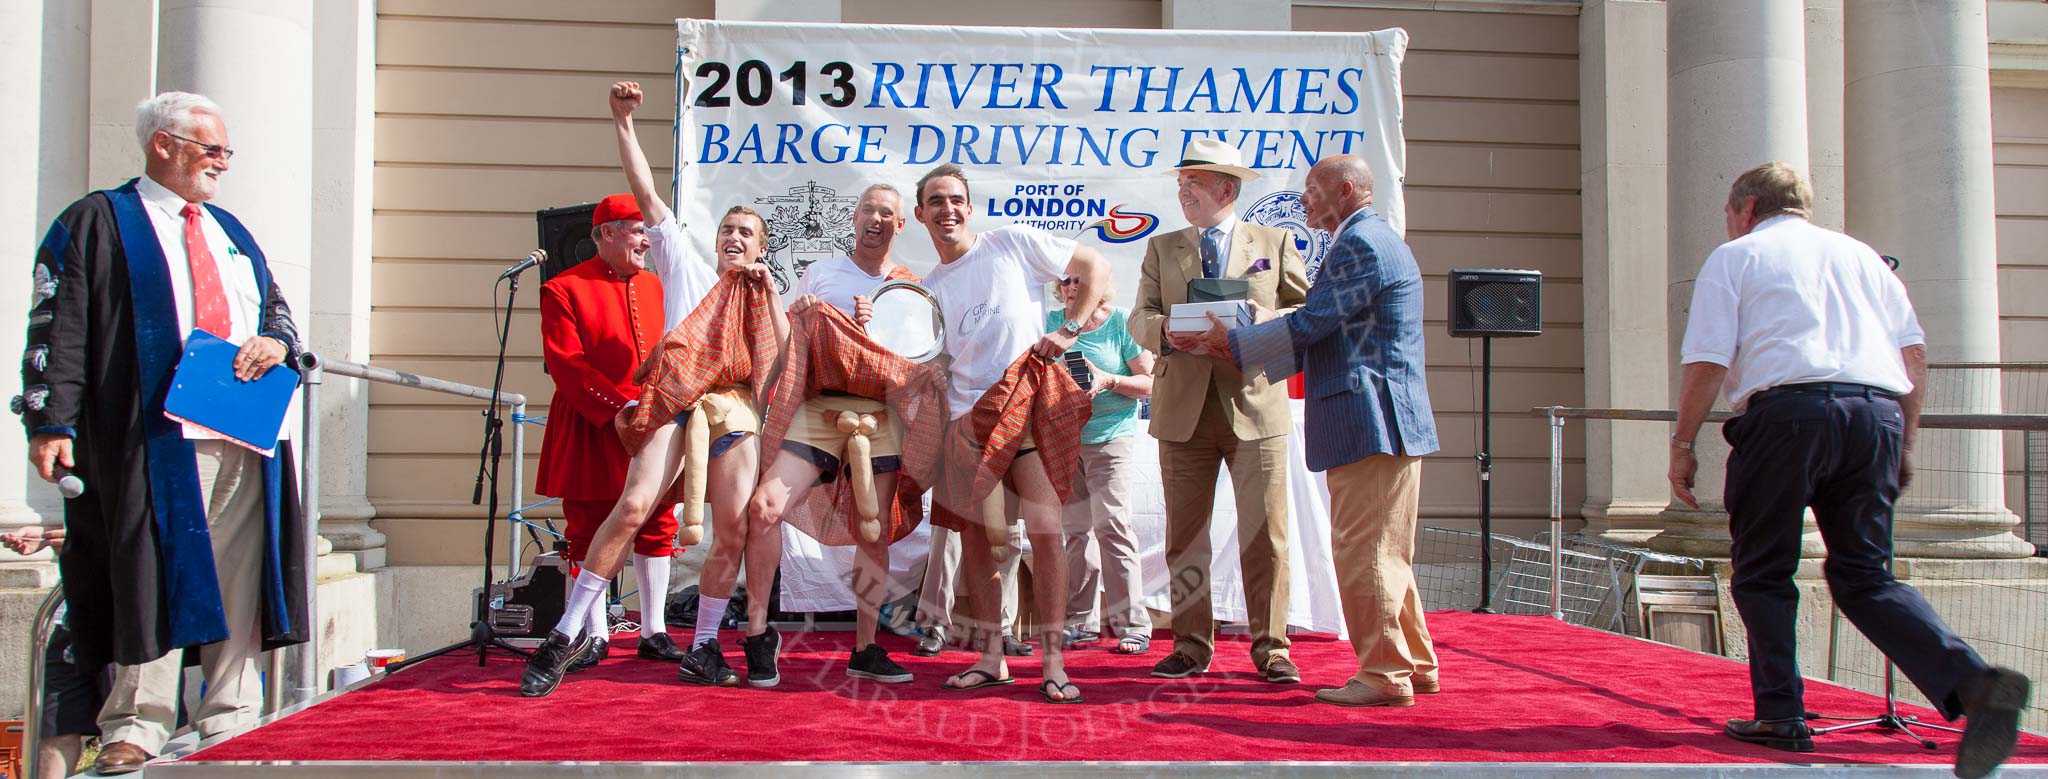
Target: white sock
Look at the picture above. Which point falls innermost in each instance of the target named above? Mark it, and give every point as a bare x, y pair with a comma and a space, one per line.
709, 612
600, 621
583, 596
653, 573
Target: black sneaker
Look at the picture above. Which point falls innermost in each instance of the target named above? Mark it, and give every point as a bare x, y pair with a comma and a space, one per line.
549, 661
761, 651
659, 647
599, 651
874, 663
705, 664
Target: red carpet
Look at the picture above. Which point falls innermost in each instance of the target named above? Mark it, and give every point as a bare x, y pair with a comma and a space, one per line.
1516, 689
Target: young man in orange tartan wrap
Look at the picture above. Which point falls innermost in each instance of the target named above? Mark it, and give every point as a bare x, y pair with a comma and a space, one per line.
696, 386
841, 393
1017, 414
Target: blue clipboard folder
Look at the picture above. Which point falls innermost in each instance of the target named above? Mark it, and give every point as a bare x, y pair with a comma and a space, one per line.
205, 392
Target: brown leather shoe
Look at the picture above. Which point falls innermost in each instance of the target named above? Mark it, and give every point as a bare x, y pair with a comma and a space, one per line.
120, 757
1280, 670
1356, 693
1428, 687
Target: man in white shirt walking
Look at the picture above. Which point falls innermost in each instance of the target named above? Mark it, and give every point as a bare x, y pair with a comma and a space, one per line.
1813, 343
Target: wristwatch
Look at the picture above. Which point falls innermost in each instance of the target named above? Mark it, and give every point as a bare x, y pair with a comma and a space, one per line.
1072, 327
1685, 445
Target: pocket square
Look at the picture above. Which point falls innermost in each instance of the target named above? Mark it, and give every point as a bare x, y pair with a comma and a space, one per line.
1259, 265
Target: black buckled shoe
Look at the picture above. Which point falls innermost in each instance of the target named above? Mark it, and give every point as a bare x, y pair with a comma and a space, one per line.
1991, 711
874, 663
659, 647
600, 650
705, 664
1791, 735
761, 653
549, 661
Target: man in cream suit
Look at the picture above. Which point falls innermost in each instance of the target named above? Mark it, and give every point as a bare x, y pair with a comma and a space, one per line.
1206, 413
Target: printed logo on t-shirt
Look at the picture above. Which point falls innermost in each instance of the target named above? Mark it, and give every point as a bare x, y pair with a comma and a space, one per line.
977, 316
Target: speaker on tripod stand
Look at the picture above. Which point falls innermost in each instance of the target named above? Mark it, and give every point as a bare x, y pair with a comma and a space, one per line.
1489, 304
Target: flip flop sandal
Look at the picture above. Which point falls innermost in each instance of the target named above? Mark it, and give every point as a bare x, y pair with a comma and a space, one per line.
1133, 645
1048, 687
988, 680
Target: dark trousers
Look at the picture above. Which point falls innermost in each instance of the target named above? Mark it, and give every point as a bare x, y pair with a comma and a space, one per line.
1837, 452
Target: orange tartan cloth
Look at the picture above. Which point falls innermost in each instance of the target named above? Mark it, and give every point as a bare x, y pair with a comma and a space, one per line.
827, 351
728, 339
1036, 395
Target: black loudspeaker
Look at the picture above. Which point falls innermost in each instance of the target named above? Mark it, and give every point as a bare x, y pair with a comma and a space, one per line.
1496, 303
565, 234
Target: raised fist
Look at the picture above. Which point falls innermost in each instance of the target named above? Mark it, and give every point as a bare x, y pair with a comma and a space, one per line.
626, 97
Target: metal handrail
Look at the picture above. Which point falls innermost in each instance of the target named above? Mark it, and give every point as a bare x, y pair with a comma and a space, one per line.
1558, 414
513, 400
32, 715
2029, 422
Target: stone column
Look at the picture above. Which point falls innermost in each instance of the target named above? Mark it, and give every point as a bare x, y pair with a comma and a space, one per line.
344, 79
1226, 15
21, 226
1919, 164
1737, 79
122, 66
253, 57
1824, 110
1622, 178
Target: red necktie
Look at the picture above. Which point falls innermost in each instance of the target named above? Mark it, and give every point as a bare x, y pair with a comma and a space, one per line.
209, 301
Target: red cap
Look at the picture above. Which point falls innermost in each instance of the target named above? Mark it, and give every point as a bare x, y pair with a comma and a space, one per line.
613, 208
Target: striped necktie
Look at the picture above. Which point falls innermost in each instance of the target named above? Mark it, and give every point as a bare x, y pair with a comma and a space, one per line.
1212, 253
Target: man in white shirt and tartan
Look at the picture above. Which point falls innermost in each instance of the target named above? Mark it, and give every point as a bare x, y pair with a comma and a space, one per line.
1813, 343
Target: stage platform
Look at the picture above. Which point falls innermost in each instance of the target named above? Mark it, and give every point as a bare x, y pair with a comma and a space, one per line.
1522, 696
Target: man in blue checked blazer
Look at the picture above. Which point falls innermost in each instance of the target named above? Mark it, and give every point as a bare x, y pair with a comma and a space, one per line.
1359, 340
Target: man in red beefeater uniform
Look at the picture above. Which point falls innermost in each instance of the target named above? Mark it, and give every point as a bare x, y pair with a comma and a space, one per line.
599, 320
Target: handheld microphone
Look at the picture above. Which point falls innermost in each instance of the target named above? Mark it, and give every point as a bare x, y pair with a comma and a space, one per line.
68, 483
537, 257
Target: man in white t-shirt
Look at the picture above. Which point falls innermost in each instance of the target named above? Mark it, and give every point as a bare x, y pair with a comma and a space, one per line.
731, 475
814, 447
990, 288
1813, 343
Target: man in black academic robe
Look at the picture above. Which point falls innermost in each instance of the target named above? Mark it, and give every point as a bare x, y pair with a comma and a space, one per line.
106, 331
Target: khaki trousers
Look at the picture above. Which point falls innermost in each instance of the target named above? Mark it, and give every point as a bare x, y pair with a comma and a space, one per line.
142, 707
1102, 546
1374, 505
1258, 476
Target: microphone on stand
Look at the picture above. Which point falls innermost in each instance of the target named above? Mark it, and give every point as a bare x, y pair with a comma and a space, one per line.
537, 257
68, 483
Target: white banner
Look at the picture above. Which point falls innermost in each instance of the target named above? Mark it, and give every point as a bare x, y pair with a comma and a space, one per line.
1075, 131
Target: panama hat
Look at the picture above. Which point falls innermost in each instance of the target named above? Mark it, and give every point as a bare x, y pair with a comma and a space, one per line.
1211, 154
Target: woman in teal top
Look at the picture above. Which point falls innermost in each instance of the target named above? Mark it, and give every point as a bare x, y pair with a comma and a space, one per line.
1101, 545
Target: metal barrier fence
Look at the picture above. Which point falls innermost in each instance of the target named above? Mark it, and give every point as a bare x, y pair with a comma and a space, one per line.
1597, 585
293, 673
1999, 606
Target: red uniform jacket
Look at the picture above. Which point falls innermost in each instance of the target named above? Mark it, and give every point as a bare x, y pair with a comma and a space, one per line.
595, 329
